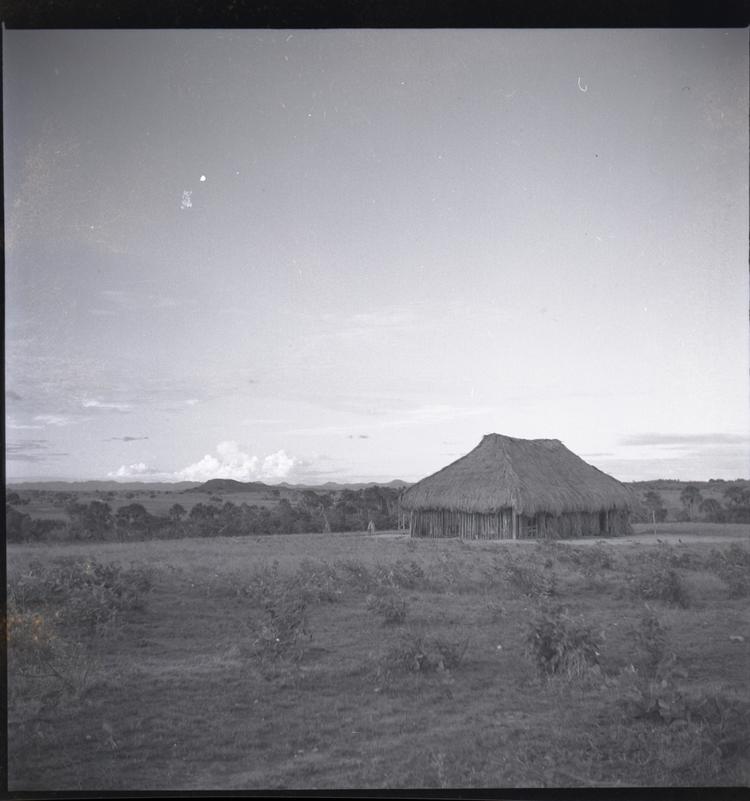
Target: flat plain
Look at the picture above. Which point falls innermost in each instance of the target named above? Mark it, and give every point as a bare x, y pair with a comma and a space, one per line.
380, 661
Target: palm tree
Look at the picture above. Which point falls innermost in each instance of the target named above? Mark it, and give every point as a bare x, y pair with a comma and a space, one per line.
654, 503
689, 497
710, 508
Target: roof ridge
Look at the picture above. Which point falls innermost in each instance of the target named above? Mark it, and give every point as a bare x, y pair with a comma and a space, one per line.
528, 475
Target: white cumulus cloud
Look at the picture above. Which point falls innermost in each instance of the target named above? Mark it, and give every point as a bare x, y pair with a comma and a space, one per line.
278, 465
137, 470
232, 462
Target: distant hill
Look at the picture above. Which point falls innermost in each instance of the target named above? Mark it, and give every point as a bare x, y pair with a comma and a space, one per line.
217, 485
103, 486
225, 485
667, 484
228, 485
332, 486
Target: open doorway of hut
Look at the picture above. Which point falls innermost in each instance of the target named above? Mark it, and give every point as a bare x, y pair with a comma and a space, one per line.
603, 522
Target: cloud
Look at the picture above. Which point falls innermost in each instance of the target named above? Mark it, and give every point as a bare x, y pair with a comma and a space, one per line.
685, 439
231, 462
27, 444
54, 419
124, 439
9, 393
277, 465
91, 403
30, 450
138, 470
12, 424
358, 436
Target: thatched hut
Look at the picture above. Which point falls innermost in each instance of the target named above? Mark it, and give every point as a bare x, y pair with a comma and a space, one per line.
509, 488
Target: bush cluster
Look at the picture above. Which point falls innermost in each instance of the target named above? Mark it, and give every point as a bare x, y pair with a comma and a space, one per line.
390, 605
732, 566
40, 657
416, 653
406, 575
282, 628
401, 574
560, 645
531, 580
649, 686
356, 574
82, 594
660, 584
57, 613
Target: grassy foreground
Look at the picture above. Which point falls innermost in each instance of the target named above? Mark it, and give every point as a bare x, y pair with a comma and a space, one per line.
330, 661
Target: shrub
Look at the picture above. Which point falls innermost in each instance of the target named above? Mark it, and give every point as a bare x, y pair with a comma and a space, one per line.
313, 582
281, 628
668, 556
88, 595
651, 689
416, 653
531, 580
263, 583
318, 582
732, 566
450, 574
452, 652
725, 722
737, 579
738, 555
650, 640
31, 638
660, 584
406, 575
390, 605
278, 632
560, 645
356, 574
39, 655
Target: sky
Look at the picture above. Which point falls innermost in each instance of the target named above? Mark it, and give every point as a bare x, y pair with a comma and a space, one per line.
346, 255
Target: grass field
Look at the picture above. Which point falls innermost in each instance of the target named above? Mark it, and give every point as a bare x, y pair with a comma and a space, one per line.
231, 672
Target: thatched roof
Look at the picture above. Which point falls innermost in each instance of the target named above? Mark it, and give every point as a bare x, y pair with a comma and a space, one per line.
528, 475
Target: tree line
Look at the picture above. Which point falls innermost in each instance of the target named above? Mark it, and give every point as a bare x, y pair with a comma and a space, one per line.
734, 509
347, 510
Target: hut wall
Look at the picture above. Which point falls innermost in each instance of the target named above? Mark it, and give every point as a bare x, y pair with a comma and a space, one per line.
466, 525
508, 525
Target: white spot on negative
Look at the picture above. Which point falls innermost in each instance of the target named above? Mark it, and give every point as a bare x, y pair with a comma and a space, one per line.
203, 179
582, 88
187, 199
